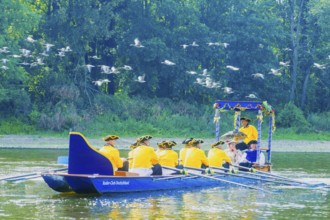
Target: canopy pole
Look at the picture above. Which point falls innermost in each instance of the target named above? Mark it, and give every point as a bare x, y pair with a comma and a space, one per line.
260, 119
237, 120
217, 124
270, 135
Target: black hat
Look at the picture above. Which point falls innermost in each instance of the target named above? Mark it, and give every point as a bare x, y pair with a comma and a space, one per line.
134, 145
111, 137
144, 138
217, 143
171, 143
194, 142
253, 142
162, 144
246, 119
186, 141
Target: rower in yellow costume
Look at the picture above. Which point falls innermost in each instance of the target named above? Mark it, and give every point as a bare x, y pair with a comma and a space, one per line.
250, 131
130, 154
144, 159
195, 157
217, 157
167, 156
183, 151
111, 152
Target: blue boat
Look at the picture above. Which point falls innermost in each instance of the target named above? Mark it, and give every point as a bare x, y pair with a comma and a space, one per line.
91, 172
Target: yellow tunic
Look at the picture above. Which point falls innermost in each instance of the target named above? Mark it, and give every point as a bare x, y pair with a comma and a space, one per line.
113, 155
217, 156
195, 157
167, 157
182, 154
251, 133
143, 157
129, 158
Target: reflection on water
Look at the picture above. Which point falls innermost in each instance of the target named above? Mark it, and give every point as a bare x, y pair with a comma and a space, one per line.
32, 199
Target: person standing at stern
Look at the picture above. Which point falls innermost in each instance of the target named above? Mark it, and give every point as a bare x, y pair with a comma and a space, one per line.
250, 131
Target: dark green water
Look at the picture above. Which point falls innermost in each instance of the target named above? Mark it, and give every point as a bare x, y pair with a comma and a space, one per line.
32, 199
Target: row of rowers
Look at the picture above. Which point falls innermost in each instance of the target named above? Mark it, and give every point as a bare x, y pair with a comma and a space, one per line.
145, 161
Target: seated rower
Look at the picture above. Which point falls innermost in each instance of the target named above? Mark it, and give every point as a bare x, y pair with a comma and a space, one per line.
144, 158
129, 156
234, 154
195, 157
250, 156
160, 147
111, 152
183, 151
218, 157
167, 156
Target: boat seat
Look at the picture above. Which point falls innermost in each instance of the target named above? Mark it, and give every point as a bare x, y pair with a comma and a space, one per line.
84, 159
125, 173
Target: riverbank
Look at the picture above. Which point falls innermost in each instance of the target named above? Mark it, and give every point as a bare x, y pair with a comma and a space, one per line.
35, 141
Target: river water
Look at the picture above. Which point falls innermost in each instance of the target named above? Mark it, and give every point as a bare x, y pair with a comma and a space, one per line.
32, 199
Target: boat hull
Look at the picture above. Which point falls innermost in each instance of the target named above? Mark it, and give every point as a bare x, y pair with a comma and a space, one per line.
118, 184
57, 182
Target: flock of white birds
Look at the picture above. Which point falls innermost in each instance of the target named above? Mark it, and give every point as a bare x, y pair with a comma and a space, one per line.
26, 58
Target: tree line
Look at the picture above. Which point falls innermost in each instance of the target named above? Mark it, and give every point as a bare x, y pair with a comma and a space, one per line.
62, 60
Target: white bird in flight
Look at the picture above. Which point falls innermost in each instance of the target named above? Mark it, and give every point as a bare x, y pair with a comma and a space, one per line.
191, 72
61, 54
95, 57
168, 63
4, 67
16, 56
285, 64
101, 81
232, 68
4, 60
214, 44
30, 39
194, 44
137, 43
114, 70
140, 79
89, 67
225, 45
45, 54
275, 72
251, 96
184, 46
212, 85
48, 46
205, 72
105, 69
126, 67
4, 50
200, 81
319, 66
228, 90
258, 75
287, 49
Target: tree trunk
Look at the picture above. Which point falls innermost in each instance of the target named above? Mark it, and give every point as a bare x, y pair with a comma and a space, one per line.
295, 29
304, 90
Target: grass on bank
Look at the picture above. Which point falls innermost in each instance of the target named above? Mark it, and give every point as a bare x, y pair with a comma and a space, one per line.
160, 117
173, 127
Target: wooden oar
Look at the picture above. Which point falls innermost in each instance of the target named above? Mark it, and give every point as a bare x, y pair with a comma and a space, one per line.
31, 175
281, 177
240, 174
217, 179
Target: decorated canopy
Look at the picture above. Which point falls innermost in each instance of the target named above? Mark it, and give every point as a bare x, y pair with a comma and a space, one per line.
260, 107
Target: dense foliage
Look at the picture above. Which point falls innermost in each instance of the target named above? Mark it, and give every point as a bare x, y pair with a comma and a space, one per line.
56, 58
